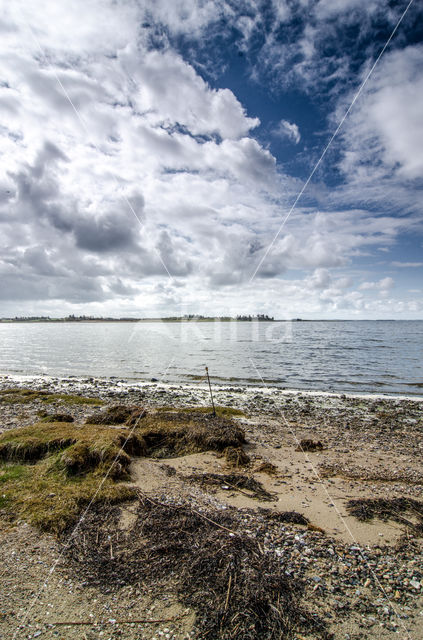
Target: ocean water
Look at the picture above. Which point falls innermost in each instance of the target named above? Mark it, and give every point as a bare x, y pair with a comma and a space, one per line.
359, 356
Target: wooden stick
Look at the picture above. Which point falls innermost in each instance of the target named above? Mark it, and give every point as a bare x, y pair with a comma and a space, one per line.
208, 378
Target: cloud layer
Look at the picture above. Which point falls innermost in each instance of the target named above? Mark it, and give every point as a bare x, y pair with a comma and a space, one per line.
130, 185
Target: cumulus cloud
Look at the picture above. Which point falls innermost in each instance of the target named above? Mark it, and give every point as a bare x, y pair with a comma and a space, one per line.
382, 285
385, 131
172, 92
288, 130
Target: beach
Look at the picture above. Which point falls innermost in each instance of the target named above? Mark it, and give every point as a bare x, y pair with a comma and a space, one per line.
320, 456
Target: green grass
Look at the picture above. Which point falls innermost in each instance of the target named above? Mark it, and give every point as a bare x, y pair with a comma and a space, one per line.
79, 445
50, 499
11, 472
23, 396
50, 471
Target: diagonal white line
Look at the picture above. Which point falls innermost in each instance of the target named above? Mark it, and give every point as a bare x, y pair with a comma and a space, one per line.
347, 528
87, 131
53, 567
305, 185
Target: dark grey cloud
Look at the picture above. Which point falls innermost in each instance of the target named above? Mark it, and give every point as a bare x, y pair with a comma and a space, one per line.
107, 233
23, 287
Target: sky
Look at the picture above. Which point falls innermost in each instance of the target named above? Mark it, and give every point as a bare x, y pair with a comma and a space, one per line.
154, 154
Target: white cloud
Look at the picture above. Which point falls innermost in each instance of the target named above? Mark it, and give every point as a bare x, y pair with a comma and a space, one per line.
384, 133
288, 130
172, 93
382, 285
327, 9
407, 265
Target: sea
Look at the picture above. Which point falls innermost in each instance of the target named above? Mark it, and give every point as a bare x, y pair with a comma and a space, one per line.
384, 357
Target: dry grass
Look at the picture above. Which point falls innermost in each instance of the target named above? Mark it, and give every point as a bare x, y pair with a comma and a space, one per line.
118, 414
221, 412
236, 457
176, 433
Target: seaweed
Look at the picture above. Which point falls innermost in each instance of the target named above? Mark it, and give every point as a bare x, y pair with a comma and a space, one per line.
236, 456
309, 445
236, 481
293, 517
238, 591
365, 509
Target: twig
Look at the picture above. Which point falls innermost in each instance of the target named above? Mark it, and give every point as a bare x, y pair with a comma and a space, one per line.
135, 621
228, 591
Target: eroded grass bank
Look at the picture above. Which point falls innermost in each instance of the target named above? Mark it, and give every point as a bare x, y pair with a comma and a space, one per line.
51, 470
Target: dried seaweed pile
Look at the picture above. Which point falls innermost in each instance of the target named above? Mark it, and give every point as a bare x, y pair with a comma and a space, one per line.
390, 509
237, 591
309, 445
236, 481
292, 517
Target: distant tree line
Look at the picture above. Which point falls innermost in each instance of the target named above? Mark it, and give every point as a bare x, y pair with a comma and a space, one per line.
261, 317
188, 317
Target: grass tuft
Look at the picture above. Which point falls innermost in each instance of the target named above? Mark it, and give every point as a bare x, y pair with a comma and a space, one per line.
176, 433
48, 499
65, 466
221, 412
22, 396
118, 414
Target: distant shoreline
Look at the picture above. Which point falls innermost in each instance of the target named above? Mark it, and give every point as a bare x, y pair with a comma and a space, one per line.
43, 320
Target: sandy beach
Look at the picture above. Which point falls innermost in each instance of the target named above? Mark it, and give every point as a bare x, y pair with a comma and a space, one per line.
319, 456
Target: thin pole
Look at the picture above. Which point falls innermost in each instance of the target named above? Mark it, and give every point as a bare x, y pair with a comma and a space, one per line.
211, 394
